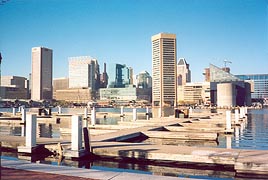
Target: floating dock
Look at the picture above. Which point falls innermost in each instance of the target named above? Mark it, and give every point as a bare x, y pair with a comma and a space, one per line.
113, 144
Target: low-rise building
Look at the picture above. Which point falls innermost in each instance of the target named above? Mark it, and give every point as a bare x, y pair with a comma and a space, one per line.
14, 87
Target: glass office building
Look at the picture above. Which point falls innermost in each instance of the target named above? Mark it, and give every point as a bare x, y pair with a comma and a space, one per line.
118, 76
260, 85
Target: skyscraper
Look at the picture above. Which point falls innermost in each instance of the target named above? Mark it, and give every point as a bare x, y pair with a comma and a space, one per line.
144, 80
183, 72
164, 70
41, 74
83, 72
118, 76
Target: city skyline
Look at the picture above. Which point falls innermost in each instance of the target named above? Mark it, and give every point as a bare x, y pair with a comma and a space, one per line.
119, 32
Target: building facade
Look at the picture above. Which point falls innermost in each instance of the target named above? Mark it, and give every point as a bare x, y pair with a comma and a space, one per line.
60, 84
144, 80
104, 77
164, 64
84, 72
41, 76
259, 83
183, 72
75, 95
14, 87
118, 94
197, 93
119, 76
227, 90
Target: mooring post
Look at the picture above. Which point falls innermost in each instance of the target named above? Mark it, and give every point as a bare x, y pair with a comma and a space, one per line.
85, 121
236, 116
242, 113
86, 139
30, 129
228, 120
85, 112
190, 111
59, 110
76, 133
23, 115
134, 114
147, 113
246, 110
30, 136
122, 111
19, 109
93, 116
14, 111
228, 141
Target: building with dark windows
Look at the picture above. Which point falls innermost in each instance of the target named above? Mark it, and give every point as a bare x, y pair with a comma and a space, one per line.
164, 77
144, 86
227, 90
144, 80
41, 77
119, 76
14, 87
164, 61
259, 85
104, 77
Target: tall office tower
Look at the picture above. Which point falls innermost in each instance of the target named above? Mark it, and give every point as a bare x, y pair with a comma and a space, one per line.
104, 77
144, 80
83, 72
41, 78
164, 62
183, 72
131, 74
118, 76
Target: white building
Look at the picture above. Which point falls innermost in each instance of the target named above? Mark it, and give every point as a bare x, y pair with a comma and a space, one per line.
41, 73
83, 72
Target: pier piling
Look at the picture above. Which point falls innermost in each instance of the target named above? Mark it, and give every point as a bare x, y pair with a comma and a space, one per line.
30, 140
236, 116
134, 114
93, 116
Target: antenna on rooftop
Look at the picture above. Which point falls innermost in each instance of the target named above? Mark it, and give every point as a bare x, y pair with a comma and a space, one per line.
225, 62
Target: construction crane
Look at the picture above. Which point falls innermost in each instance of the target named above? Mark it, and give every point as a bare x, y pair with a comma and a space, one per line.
225, 62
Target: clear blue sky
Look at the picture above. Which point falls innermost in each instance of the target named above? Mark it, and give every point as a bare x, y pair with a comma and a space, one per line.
208, 31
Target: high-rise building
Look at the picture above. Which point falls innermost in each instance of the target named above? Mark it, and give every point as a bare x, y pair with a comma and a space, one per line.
83, 72
183, 72
144, 80
41, 77
104, 77
164, 56
118, 76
